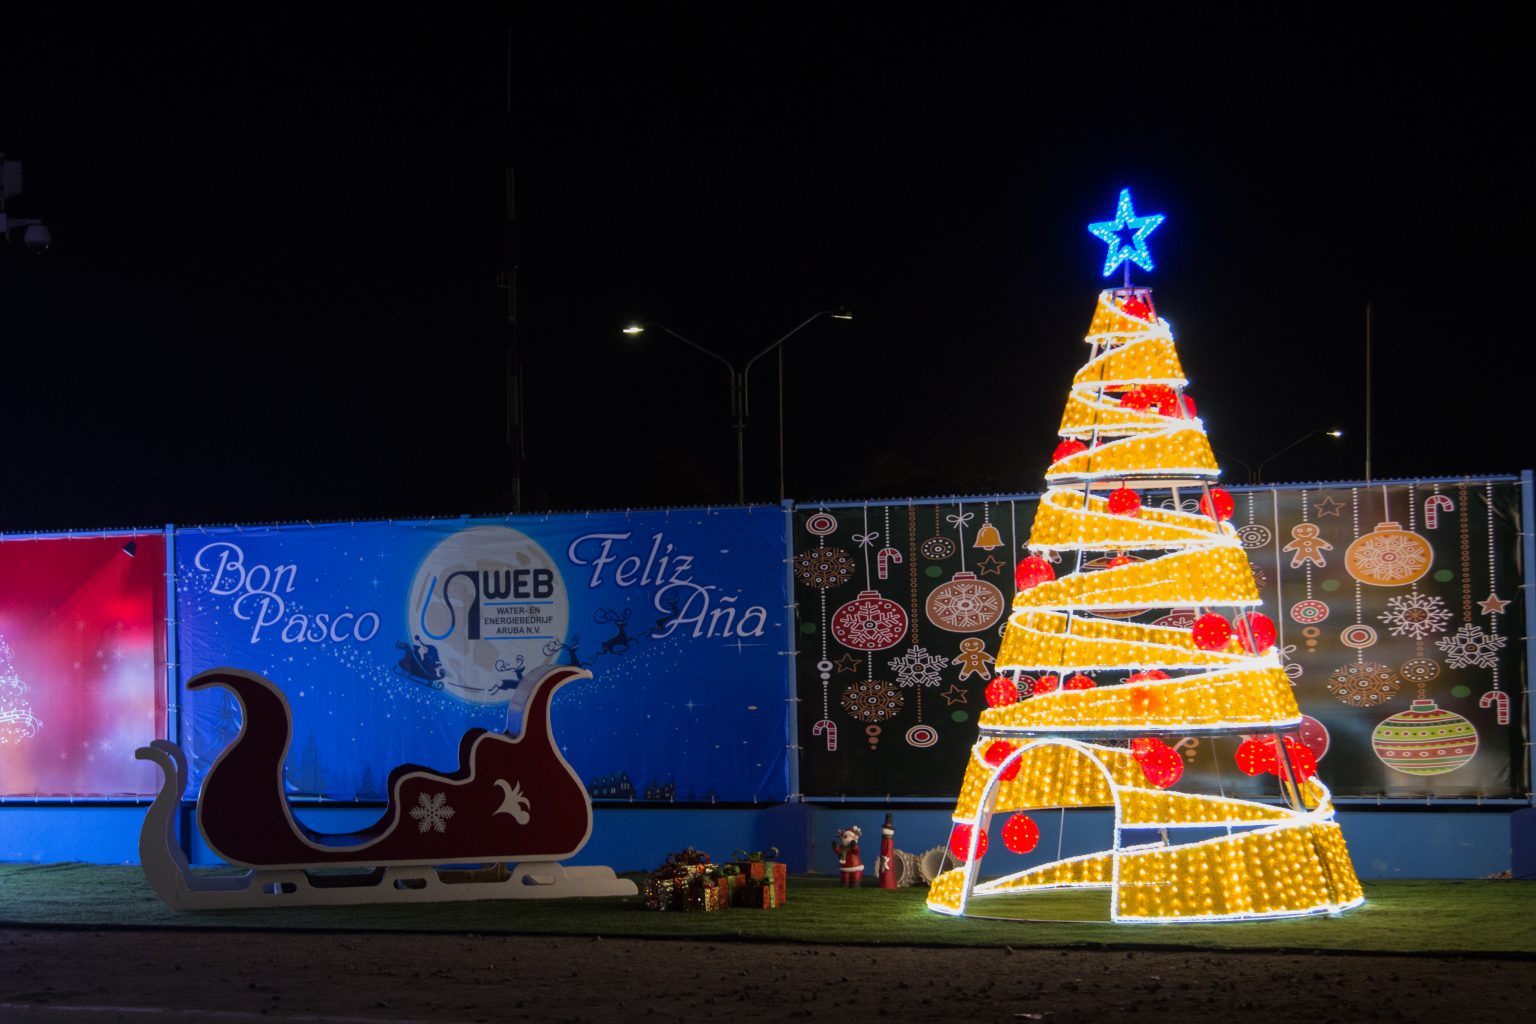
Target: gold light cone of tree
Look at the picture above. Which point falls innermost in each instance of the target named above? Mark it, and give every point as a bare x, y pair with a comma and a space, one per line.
1105, 693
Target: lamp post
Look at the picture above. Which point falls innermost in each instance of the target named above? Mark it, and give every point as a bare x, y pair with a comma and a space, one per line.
739, 393
34, 233
1257, 475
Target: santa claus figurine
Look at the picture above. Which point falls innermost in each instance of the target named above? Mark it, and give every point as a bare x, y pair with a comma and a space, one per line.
846, 846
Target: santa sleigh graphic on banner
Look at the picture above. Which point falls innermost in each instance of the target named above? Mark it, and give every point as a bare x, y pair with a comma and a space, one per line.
512, 800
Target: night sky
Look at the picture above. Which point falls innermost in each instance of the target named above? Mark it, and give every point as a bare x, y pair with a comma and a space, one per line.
273, 290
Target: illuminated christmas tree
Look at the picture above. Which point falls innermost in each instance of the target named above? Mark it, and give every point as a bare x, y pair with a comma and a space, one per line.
17, 722
1132, 528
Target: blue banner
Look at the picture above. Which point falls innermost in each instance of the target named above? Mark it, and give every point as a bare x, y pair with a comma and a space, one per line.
390, 640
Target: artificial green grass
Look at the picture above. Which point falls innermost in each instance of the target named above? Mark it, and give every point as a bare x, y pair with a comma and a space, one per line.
1481, 918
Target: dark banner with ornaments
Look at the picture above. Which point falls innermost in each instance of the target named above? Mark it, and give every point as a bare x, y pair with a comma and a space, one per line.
1399, 610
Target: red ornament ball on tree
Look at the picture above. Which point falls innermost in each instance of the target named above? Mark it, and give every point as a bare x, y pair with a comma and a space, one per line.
1133, 306
960, 843
1136, 398
1047, 683
1079, 681
1162, 398
1303, 762
1033, 571
1162, 766
1110, 563
1218, 505
1255, 631
1188, 405
1210, 632
996, 754
1124, 502
1255, 756
1002, 692
1020, 833
1149, 676
1067, 449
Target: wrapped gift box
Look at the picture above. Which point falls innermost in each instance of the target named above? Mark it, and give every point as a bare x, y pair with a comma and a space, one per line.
759, 895
762, 867
675, 886
664, 893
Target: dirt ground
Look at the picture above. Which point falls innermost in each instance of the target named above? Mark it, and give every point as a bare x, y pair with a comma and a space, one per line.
98, 977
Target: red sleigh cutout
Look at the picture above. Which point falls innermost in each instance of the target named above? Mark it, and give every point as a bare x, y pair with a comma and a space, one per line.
510, 799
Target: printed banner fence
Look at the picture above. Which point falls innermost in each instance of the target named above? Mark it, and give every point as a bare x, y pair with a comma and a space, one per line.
1400, 613
1400, 609
390, 640
82, 664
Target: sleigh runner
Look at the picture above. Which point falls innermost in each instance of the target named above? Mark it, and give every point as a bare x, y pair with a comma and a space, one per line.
512, 800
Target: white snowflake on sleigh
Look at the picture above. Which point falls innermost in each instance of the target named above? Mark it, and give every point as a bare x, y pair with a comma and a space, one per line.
1469, 646
1416, 615
432, 813
918, 668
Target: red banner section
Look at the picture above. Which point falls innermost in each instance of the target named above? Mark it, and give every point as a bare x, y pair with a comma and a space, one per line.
82, 664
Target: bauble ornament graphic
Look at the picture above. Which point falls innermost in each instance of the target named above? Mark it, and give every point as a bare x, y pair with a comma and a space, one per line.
869, 622
965, 604
1389, 556
1424, 740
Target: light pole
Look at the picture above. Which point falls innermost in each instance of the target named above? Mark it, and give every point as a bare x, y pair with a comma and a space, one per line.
34, 233
739, 381
841, 313
1257, 475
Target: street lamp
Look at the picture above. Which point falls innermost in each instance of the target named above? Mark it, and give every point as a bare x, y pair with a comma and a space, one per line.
34, 233
739, 393
1257, 475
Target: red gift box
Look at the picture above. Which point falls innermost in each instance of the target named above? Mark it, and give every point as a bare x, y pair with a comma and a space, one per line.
760, 867
760, 895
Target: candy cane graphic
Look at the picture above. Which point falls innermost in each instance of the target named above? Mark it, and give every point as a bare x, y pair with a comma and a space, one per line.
828, 727
1500, 698
1432, 506
883, 561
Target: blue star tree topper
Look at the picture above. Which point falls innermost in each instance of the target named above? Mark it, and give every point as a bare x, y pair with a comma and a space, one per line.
1114, 232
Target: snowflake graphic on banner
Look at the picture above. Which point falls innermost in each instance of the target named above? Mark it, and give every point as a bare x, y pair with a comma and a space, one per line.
824, 568
1470, 647
872, 700
432, 813
918, 668
1416, 615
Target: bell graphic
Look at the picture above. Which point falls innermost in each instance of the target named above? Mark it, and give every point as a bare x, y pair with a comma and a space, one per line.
988, 538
